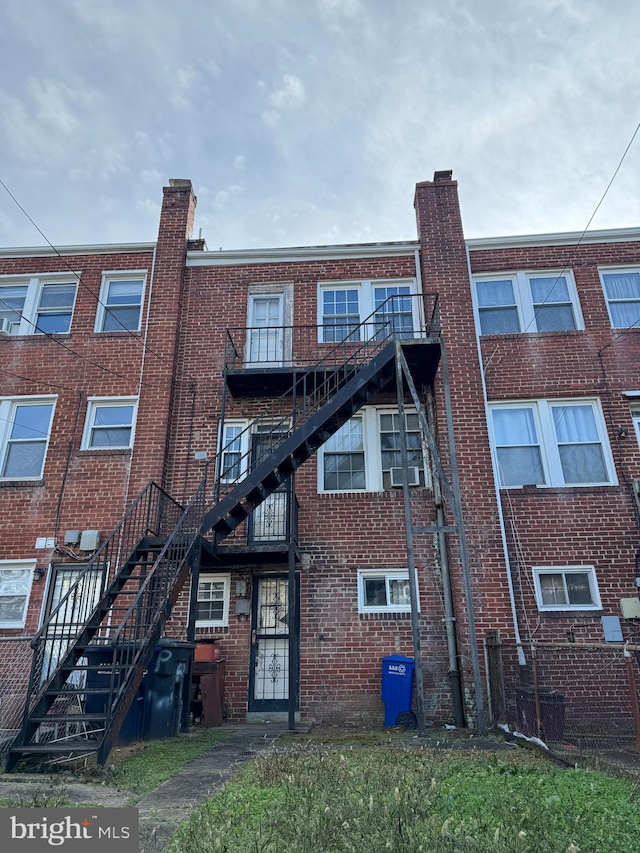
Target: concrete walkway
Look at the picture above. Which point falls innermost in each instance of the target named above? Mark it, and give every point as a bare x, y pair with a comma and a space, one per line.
163, 809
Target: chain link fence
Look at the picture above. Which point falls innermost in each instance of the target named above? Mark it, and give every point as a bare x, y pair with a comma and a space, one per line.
582, 700
15, 666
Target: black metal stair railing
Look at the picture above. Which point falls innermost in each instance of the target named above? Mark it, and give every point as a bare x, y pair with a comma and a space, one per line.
352, 347
150, 548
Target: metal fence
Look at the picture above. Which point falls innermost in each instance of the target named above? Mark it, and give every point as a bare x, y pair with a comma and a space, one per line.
581, 699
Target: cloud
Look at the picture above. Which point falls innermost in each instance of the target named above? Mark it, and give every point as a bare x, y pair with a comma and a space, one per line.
290, 96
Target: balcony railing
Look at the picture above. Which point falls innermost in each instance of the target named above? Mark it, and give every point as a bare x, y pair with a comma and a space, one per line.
333, 342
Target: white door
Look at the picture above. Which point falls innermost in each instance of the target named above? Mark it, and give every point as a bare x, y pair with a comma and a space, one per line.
265, 344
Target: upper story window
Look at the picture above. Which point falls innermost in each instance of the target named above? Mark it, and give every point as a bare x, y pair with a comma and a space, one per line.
37, 305
527, 302
234, 451
391, 308
16, 577
25, 426
566, 588
120, 306
622, 292
364, 454
110, 423
551, 443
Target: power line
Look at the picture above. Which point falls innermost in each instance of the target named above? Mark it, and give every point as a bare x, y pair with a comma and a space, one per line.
580, 239
79, 277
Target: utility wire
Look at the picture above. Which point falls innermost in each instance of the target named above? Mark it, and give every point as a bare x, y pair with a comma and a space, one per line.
79, 277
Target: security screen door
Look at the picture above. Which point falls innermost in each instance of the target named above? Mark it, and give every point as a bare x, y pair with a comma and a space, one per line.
269, 674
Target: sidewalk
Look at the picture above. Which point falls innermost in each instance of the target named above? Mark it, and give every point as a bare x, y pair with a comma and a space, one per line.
163, 809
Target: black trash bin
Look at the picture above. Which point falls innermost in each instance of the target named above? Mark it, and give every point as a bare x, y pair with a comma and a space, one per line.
165, 689
552, 712
100, 659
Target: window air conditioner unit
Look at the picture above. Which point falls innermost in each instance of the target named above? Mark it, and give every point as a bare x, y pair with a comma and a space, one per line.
5, 326
413, 476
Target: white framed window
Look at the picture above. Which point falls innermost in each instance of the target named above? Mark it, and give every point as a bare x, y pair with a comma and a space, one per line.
234, 461
120, 306
383, 591
622, 293
391, 305
551, 443
635, 417
362, 455
110, 423
16, 577
566, 588
36, 305
25, 428
527, 302
213, 601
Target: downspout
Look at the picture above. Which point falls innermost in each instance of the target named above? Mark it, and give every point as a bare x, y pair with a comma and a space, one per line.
496, 484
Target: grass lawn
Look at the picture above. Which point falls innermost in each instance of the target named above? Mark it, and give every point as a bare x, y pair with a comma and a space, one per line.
372, 798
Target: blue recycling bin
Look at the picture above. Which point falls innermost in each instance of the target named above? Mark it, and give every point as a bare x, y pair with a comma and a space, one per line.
397, 686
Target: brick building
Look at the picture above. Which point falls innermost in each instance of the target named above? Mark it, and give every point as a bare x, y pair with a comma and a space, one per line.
329, 434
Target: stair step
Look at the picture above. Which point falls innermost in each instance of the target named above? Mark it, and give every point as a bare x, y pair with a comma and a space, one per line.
58, 747
70, 718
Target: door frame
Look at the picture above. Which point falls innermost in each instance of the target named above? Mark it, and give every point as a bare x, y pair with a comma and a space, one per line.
284, 292
274, 705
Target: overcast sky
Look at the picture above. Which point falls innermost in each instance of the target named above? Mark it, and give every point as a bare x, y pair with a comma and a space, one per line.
304, 122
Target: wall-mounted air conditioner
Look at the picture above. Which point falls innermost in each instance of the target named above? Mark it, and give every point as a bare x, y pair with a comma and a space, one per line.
413, 476
5, 326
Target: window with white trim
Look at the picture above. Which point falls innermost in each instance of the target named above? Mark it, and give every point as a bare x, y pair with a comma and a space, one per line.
635, 417
391, 305
622, 293
213, 601
383, 591
362, 454
120, 306
37, 304
110, 423
551, 443
25, 428
235, 438
16, 577
566, 588
527, 302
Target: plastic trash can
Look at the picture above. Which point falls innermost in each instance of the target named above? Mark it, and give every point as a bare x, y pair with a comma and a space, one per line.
165, 691
397, 687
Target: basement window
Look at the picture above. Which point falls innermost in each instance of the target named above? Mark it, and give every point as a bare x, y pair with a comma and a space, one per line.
566, 588
383, 591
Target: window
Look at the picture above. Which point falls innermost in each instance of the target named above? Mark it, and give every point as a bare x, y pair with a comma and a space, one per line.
37, 305
523, 302
213, 601
25, 425
622, 292
120, 305
16, 577
234, 452
566, 588
635, 416
391, 309
383, 591
362, 453
110, 423
552, 443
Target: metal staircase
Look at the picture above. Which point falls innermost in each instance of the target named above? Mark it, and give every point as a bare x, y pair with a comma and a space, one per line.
92, 651
153, 546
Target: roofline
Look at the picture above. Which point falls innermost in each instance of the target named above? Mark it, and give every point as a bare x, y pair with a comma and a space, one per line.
569, 238
236, 257
91, 249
